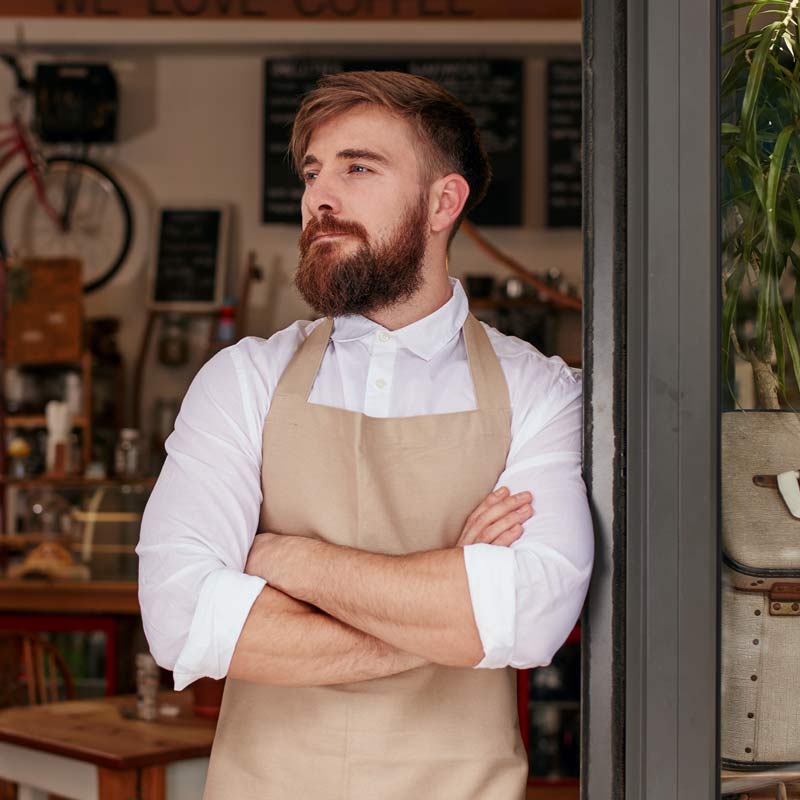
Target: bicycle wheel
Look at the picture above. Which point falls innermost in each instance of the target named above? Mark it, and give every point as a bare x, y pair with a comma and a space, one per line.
95, 222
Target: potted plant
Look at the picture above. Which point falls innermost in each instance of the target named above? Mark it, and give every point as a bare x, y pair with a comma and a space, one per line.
760, 95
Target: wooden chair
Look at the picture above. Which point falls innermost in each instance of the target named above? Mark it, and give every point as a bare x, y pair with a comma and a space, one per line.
32, 671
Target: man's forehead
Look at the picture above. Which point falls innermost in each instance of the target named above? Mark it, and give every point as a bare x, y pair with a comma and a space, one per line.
367, 129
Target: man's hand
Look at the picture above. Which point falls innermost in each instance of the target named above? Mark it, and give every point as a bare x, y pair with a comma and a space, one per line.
498, 519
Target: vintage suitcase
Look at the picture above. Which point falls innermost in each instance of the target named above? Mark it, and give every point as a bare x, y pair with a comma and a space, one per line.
760, 688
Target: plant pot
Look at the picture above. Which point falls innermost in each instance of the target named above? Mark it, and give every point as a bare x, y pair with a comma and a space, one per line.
207, 694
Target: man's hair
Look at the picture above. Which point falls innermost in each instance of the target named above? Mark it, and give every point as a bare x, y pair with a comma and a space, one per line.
449, 137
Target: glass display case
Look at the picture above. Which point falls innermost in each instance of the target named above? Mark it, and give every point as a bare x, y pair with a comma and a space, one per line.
77, 528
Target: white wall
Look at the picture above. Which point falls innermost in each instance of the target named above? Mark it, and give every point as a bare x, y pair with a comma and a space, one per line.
191, 129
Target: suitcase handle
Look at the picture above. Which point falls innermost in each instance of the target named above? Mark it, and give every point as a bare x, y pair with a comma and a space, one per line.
787, 484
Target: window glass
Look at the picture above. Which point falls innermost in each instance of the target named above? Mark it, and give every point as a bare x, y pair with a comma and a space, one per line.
760, 426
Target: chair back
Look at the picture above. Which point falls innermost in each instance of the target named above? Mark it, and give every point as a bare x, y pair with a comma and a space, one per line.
32, 671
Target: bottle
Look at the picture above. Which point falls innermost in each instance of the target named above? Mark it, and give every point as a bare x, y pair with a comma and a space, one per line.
226, 324
173, 347
73, 393
147, 680
127, 455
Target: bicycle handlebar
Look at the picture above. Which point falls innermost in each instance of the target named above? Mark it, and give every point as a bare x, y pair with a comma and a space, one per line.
23, 84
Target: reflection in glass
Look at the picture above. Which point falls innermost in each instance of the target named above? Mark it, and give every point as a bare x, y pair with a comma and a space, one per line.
760, 430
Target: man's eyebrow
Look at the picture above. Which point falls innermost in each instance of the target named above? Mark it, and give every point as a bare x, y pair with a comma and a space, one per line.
368, 155
348, 155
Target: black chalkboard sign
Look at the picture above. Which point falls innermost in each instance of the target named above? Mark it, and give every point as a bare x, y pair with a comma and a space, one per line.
564, 111
189, 261
491, 89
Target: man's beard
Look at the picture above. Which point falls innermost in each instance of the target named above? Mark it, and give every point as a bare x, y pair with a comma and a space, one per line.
371, 277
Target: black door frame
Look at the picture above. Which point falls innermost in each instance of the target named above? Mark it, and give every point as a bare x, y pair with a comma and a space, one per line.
651, 223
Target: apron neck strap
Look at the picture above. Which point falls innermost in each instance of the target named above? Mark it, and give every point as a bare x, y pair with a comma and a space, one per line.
491, 389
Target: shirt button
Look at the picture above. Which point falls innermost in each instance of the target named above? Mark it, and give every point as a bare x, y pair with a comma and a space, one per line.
380, 383
383, 336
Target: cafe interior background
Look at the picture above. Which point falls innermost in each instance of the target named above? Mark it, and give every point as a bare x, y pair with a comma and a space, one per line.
188, 119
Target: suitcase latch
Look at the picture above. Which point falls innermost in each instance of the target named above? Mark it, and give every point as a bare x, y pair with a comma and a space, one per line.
784, 600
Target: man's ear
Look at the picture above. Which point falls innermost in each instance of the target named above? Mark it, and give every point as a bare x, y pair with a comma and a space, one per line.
447, 198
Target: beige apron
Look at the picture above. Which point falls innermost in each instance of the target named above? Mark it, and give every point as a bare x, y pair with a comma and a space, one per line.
386, 485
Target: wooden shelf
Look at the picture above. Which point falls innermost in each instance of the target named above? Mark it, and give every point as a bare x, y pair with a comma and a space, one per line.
37, 421
75, 482
44, 365
565, 704
499, 303
21, 541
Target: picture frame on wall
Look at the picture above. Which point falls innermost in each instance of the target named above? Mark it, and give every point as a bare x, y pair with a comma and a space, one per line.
188, 268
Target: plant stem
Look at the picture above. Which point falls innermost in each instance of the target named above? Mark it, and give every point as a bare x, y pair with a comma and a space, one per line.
766, 383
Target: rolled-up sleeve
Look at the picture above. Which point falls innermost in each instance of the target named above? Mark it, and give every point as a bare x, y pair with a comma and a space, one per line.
198, 527
527, 597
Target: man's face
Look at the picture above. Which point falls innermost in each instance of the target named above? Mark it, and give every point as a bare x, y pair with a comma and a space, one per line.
365, 214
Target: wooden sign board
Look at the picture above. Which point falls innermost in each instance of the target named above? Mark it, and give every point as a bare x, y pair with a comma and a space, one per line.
492, 89
345, 10
188, 267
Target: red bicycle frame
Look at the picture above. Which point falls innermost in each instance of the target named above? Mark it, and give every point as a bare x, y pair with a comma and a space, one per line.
17, 142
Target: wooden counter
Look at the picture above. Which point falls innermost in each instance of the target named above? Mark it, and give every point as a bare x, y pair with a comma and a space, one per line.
69, 597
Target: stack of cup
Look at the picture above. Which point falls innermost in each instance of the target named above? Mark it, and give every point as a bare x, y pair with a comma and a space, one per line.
147, 680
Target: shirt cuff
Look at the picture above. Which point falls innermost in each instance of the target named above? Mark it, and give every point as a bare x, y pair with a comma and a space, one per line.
492, 587
222, 608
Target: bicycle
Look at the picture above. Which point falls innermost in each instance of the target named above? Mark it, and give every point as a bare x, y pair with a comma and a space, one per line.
61, 205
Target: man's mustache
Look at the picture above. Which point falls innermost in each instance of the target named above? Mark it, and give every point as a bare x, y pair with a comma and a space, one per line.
329, 224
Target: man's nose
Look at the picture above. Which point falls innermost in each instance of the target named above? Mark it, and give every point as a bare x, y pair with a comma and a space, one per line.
322, 197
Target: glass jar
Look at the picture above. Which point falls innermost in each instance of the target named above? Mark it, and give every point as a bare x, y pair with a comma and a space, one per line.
173, 347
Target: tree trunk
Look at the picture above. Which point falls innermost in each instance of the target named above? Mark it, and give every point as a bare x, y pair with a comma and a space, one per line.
766, 383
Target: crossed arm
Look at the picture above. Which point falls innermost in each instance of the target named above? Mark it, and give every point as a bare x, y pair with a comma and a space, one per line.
334, 614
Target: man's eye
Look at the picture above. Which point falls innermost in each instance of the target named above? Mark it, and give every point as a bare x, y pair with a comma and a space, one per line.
309, 176
359, 168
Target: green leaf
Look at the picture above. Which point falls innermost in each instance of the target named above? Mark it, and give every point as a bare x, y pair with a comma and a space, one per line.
732, 287
755, 78
773, 180
763, 300
795, 259
777, 335
791, 342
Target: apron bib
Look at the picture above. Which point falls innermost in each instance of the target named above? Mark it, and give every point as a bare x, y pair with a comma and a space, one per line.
387, 485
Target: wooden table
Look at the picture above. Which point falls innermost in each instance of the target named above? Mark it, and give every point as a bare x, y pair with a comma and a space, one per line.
87, 750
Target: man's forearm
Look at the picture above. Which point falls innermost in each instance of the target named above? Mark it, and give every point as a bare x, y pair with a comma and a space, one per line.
418, 602
288, 642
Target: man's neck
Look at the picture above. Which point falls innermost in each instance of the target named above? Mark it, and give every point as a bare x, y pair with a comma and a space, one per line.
433, 294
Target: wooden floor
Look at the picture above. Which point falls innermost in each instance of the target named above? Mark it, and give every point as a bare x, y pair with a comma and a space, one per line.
553, 793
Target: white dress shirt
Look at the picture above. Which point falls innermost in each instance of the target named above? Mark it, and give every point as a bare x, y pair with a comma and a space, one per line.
203, 513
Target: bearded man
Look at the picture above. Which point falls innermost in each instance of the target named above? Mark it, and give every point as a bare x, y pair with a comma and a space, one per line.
370, 520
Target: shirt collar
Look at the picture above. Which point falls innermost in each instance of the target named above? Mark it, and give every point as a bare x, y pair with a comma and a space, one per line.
425, 337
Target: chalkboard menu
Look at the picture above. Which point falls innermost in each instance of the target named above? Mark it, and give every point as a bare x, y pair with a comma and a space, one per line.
189, 261
564, 143
491, 89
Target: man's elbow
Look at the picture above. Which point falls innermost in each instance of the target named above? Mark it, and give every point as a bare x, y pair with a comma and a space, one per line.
466, 652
